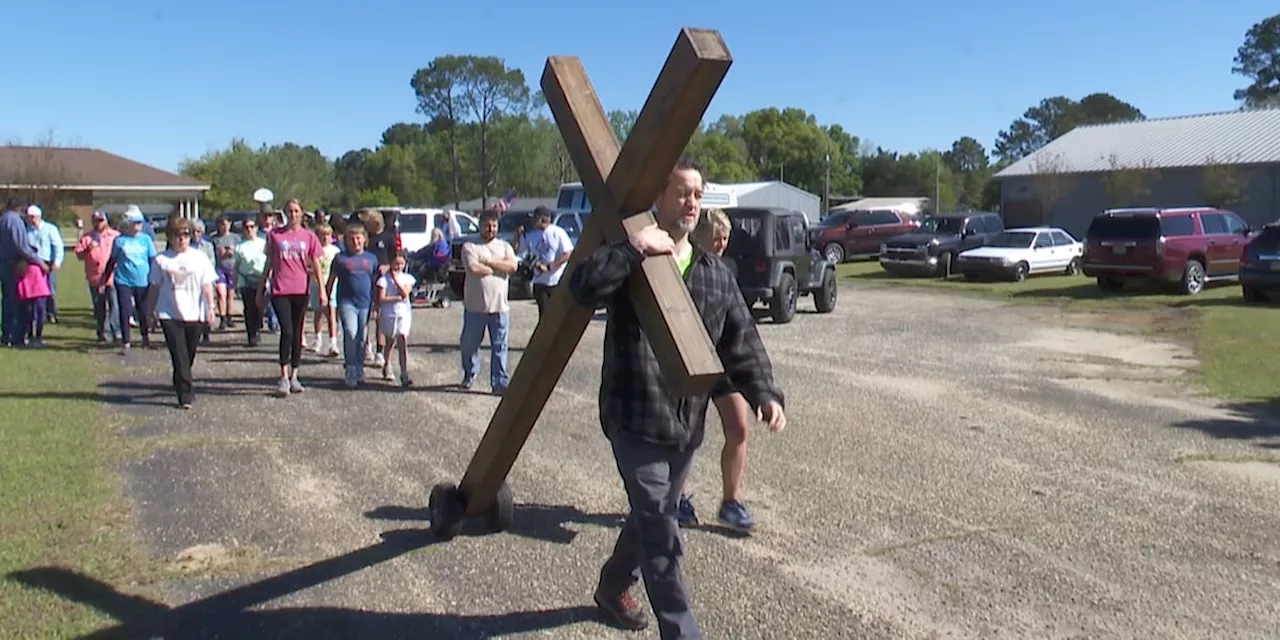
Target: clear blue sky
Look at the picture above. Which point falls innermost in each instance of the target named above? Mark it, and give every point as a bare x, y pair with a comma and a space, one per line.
160, 81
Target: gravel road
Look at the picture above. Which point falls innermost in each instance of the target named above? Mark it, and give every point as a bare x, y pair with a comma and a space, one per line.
954, 468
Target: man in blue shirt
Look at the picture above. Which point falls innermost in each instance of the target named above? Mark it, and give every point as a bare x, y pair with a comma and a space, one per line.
14, 246
47, 240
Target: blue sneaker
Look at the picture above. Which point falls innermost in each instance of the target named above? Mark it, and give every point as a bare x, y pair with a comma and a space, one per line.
685, 514
734, 514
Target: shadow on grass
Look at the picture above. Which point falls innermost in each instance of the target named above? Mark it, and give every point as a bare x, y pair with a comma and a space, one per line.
229, 614
1258, 420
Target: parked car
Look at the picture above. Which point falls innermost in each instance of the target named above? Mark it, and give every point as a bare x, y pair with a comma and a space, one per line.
849, 234
1189, 247
1260, 265
771, 252
931, 249
1018, 253
415, 226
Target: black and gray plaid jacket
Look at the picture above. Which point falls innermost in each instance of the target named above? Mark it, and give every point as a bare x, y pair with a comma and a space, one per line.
634, 398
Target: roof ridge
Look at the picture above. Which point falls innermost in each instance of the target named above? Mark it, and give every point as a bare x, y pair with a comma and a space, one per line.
1181, 117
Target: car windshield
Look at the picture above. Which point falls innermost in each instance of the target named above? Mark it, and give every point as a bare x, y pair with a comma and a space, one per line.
836, 219
1013, 240
510, 222
1131, 227
942, 225
745, 238
413, 223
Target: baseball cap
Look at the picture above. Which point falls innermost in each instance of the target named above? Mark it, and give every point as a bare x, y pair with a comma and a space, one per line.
133, 214
99, 215
35, 210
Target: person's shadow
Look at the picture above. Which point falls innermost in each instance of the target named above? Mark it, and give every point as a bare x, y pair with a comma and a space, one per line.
228, 614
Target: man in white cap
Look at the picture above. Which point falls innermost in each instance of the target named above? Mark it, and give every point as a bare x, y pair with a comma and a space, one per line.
46, 239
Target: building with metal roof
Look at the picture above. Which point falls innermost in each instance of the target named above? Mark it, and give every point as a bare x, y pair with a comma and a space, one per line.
773, 193
81, 178
1229, 159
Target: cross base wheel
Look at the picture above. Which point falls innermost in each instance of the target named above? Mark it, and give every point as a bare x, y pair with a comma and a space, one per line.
447, 508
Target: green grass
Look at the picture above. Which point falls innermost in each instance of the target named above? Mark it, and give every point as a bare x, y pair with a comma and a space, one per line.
1234, 341
59, 497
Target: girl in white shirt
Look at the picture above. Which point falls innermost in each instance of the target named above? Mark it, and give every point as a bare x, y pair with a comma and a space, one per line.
395, 317
181, 301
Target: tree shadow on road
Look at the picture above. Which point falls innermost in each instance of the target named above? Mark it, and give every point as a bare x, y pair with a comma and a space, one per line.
1254, 421
228, 614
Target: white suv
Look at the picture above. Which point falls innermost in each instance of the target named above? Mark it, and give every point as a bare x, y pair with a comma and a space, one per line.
414, 226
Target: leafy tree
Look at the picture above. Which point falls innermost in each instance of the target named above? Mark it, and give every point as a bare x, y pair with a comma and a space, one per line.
786, 144
439, 87
1221, 183
1259, 60
1127, 186
623, 122
381, 196
1054, 117
290, 170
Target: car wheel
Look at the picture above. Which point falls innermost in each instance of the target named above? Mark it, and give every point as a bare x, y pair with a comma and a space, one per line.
1073, 267
825, 299
833, 253
1108, 284
783, 306
1193, 278
944, 265
1021, 271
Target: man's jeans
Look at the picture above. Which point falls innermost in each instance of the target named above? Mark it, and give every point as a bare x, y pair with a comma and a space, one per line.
10, 307
51, 305
649, 544
474, 325
355, 325
104, 312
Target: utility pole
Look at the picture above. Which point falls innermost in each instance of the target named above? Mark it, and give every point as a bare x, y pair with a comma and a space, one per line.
826, 187
937, 183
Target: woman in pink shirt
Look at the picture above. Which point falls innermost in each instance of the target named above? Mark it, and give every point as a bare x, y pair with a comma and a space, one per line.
94, 249
293, 257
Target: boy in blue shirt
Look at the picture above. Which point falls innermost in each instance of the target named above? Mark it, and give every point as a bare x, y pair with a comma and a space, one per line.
354, 270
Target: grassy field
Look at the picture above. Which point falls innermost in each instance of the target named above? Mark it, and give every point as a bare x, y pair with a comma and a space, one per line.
59, 497
1234, 341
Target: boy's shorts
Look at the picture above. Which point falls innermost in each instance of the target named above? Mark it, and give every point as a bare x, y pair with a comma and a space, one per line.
394, 326
314, 302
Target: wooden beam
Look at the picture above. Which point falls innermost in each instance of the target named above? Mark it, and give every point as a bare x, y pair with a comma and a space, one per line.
622, 186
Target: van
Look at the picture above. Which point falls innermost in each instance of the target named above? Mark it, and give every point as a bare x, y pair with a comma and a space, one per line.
414, 225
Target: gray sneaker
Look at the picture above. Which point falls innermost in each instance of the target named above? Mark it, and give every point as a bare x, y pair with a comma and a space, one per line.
282, 389
294, 385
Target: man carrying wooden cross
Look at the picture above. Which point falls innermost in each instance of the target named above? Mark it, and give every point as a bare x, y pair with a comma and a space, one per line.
654, 433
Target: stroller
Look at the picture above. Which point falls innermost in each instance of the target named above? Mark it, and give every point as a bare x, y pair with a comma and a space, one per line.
433, 278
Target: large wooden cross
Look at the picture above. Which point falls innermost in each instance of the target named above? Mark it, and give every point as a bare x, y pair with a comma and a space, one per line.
622, 185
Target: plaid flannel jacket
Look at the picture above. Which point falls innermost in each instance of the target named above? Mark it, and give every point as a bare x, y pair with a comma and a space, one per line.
634, 399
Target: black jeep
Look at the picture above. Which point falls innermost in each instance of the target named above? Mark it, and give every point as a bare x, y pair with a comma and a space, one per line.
771, 253
930, 249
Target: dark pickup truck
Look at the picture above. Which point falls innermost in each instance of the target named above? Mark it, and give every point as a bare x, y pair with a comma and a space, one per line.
930, 249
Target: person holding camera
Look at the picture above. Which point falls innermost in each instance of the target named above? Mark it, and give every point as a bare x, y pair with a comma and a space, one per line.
550, 247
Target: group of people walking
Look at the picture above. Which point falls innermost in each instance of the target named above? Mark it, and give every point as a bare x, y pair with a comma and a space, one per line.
350, 278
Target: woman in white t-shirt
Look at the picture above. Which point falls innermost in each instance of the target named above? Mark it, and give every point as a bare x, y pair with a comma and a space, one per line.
395, 317
181, 302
